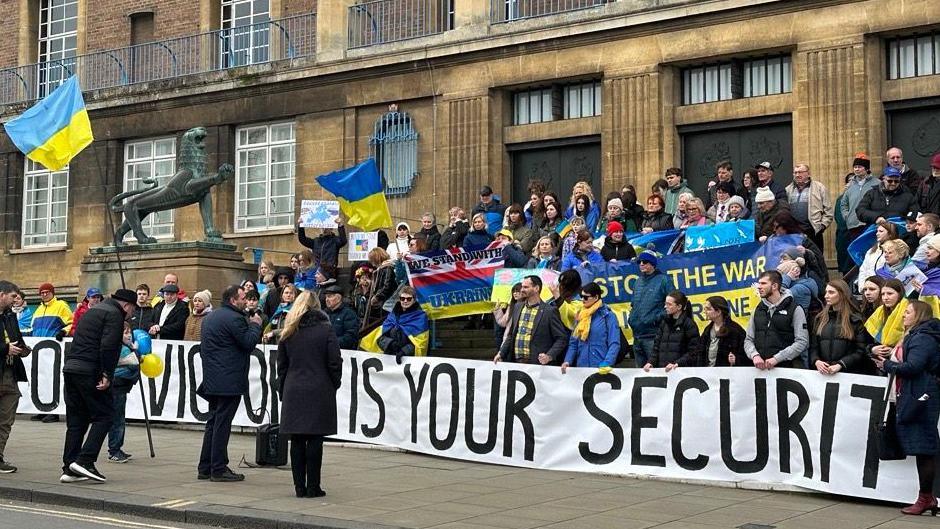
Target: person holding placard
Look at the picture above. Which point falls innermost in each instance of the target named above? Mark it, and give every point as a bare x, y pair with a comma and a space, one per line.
326, 246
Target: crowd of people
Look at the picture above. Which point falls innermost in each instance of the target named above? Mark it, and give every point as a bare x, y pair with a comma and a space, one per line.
870, 322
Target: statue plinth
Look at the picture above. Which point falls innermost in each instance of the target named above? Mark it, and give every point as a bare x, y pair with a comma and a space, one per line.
200, 265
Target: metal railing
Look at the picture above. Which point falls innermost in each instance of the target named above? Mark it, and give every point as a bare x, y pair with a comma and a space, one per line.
374, 22
275, 40
509, 10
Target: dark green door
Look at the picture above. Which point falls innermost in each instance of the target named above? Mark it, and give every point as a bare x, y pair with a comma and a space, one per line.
916, 131
559, 167
745, 145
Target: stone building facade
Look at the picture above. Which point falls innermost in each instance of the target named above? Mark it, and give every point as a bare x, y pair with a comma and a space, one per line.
495, 92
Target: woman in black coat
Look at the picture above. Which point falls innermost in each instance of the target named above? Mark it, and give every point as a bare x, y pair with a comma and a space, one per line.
723, 337
915, 364
309, 371
656, 218
678, 337
840, 342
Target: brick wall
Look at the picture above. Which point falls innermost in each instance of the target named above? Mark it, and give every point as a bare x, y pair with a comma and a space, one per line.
9, 27
108, 24
291, 8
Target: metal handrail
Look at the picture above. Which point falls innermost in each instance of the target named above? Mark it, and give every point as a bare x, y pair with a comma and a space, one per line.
187, 55
372, 22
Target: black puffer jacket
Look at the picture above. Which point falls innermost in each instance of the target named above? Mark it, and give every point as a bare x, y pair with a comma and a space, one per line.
827, 345
731, 341
622, 251
660, 221
453, 235
433, 237
676, 343
97, 344
878, 202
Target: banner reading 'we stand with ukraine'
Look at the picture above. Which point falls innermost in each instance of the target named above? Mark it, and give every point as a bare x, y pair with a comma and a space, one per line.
455, 282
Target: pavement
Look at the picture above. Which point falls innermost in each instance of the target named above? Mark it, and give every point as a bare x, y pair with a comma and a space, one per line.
376, 488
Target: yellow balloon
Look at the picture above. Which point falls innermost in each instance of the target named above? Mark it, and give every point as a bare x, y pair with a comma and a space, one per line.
151, 365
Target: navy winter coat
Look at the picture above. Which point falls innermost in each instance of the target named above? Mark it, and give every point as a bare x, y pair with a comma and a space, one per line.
228, 338
345, 325
646, 311
918, 403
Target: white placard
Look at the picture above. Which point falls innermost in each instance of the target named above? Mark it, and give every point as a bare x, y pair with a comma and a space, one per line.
319, 213
734, 424
360, 243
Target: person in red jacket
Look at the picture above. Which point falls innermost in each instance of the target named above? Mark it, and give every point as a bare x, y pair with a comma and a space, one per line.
92, 297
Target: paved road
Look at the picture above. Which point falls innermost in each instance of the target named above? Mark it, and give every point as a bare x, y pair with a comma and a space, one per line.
15, 515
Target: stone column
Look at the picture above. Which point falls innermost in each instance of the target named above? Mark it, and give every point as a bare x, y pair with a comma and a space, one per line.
471, 12
332, 30
632, 137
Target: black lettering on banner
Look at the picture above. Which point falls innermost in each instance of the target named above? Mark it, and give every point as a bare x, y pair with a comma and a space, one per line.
788, 423
448, 440
353, 393
416, 391
515, 409
761, 427
640, 422
181, 363
256, 414
493, 423
608, 420
158, 401
876, 411
827, 429
698, 462
42, 347
368, 365
274, 383
193, 388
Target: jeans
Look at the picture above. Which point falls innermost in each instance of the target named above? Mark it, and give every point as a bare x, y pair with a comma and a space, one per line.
116, 435
213, 459
85, 406
642, 349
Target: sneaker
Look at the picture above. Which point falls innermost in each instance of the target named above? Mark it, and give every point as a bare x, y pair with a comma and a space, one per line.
227, 476
71, 477
119, 457
50, 418
89, 471
6, 468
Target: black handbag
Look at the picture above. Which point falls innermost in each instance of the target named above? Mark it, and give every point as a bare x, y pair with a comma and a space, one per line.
270, 446
886, 433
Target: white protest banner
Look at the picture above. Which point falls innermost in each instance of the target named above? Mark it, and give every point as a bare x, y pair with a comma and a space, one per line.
360, 242
319, 213
739, 425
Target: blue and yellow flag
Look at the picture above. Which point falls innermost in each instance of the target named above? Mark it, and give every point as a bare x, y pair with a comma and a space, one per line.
54, 130
413, 323
360, 194
887, 329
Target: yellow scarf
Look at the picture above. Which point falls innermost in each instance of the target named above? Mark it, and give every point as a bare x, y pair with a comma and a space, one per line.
583, 328
887, 330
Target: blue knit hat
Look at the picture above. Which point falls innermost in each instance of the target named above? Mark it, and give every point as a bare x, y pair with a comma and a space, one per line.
649, 257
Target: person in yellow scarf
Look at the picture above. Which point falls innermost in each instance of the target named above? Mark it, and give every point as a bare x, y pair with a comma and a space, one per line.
886, 324
595, 339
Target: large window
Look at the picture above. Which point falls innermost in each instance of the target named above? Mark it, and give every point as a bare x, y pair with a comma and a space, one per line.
559, 101
264, 191
152, 160
58, 34
246, 36
394, 145
45, 206
735, 79
914, 56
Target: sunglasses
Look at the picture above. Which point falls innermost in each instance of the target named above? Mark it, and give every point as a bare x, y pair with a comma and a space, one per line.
405, 298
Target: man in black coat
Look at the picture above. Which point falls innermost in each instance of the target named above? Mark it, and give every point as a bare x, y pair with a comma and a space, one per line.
228, 339
891, 199
342, 317
88, 371
12, 371
536, 334
169, 316
142, 318
326, 246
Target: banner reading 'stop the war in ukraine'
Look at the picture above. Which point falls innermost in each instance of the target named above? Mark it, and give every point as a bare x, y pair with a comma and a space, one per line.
729, 272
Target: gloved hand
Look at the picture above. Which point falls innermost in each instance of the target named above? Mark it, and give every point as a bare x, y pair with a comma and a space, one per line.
59, 336
398, 358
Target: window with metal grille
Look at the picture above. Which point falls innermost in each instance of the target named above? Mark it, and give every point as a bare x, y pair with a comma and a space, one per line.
246, 34
913, 56
264, 168
767, 76
153, 159
58, 42
45, 206
394, 145
582, 100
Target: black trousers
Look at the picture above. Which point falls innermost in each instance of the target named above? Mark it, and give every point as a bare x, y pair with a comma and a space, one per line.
306, 458
213, 458
90, 411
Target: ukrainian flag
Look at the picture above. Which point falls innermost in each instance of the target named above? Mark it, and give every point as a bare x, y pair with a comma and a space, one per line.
359, 190
413, 323
54, 130
887, 330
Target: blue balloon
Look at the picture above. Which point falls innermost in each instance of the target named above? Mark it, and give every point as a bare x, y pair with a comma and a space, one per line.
144, 345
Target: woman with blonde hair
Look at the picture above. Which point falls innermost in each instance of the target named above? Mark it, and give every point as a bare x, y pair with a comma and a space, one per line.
309, 371
898, 264
912, 367
383, 285
874, 257
695, 214
545, 255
